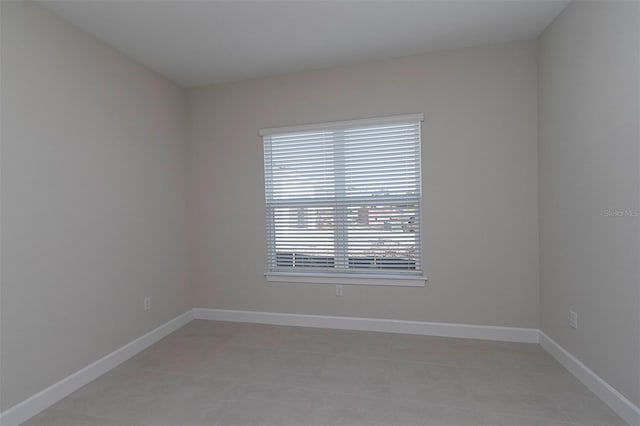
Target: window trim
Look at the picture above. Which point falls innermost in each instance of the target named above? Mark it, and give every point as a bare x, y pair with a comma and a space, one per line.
338, 124
356, 278
351, 278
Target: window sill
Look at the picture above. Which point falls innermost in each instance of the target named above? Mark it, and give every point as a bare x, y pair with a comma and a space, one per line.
357, 279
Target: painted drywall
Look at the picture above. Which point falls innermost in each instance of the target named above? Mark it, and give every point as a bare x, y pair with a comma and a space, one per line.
479, 184
92, 200
589, 187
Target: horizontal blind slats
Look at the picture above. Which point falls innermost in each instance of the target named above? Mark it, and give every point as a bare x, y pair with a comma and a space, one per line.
363, 201
344, 199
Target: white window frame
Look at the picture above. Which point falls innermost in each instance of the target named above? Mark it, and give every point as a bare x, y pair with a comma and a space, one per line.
358, 278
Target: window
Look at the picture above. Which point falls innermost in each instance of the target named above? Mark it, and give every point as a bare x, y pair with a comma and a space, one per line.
343, 202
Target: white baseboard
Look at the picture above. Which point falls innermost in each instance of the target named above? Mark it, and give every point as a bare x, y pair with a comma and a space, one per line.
614, 399
54, 393
485, 332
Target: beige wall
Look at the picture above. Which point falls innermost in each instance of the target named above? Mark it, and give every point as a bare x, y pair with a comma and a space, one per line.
480, 184
589, 87
92, 200
93, 165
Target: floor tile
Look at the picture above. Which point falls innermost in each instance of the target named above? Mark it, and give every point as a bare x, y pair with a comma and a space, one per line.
269, 407
403, 412
586, 410
433, 392
509, 401
57, 417
148, 397
222, 373
356, 375
408, 347
492, 419
332, 409
420, 372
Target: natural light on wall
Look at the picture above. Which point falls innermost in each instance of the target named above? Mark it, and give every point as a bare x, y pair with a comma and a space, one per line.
343, 202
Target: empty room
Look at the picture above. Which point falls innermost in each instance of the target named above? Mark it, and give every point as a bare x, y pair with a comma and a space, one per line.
322, 213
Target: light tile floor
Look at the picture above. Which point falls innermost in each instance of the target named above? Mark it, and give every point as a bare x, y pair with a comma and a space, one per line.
219, 373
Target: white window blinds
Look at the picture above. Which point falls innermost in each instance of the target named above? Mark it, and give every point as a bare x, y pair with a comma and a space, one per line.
344, 197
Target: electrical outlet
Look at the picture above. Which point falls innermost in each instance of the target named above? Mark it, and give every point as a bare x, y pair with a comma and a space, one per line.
339, 290
573, 319
147, 303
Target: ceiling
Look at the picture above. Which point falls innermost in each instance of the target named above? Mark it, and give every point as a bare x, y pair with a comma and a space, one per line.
201, 42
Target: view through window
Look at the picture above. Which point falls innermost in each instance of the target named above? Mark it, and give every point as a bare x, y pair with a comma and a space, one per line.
344, 197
